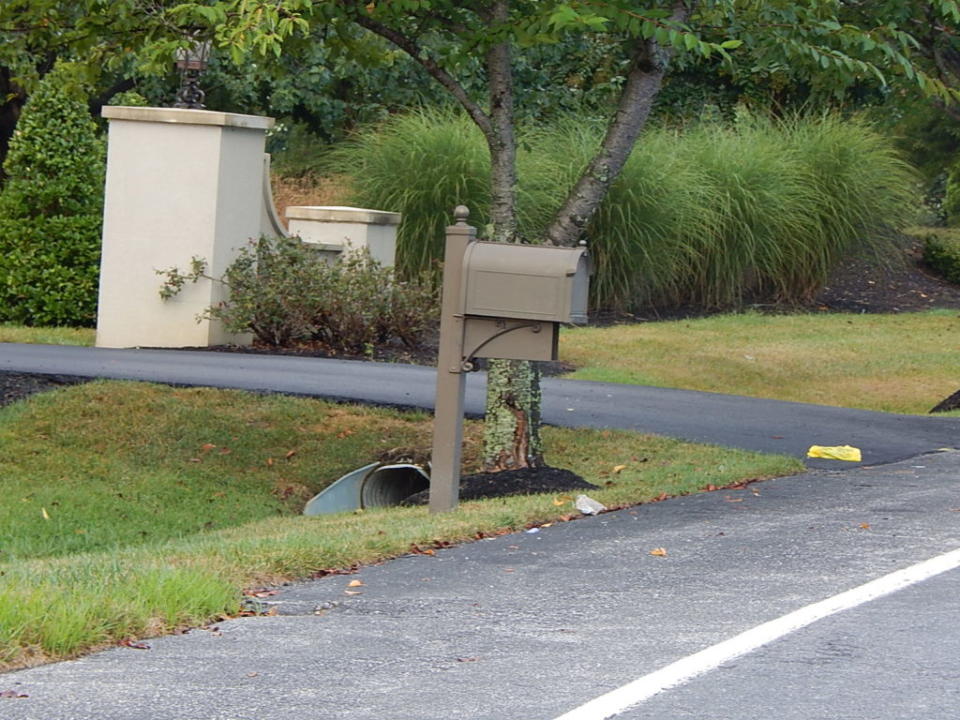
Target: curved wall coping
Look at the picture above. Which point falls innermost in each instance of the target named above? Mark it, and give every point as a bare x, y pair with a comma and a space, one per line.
186, 117
339, 213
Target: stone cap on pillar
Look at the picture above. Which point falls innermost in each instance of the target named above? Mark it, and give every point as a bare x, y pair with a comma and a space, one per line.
185, 116
341, 214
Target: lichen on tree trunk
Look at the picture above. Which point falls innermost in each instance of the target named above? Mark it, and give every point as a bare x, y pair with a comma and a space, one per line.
512, 425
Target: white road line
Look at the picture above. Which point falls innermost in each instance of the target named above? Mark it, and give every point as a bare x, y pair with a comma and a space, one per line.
634, 693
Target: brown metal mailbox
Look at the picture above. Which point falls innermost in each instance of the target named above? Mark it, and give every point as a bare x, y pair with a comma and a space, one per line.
526, 282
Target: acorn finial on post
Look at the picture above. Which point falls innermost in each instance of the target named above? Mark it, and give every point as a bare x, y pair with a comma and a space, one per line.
460, 214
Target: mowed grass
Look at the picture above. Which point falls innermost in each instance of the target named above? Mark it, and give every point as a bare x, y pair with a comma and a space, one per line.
47, 335
134, 509
904, 363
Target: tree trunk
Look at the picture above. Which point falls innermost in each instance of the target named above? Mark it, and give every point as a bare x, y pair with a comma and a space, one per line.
512, 421
511, 431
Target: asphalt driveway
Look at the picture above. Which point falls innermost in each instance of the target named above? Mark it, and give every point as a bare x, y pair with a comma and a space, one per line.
749, 423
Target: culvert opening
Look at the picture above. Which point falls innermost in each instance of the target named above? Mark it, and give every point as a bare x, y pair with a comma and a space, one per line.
392, 484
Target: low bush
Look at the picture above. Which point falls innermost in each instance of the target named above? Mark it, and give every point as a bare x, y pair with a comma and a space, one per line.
941, 252
50, 210
285, 292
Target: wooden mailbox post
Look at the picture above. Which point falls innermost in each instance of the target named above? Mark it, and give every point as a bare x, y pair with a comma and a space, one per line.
499, 300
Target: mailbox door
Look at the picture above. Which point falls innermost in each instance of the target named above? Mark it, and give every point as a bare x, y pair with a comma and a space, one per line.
525, 282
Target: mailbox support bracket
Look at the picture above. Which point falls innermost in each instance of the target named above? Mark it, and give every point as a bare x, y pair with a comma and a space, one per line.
503, 329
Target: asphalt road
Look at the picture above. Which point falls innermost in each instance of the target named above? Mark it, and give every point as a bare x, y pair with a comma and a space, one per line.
533, 625
753, 424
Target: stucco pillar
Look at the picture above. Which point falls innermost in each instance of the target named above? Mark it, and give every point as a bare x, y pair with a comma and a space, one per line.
180, 183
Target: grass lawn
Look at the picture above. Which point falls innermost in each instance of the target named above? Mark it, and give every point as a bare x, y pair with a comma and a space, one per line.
47, 335
904, 363
133, 509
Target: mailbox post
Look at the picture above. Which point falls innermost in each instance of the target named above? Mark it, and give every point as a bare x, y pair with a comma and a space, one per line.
499, 300
448, 406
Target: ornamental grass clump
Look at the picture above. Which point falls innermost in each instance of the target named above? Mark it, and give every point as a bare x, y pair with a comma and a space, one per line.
713, 216
50, 210
423, 165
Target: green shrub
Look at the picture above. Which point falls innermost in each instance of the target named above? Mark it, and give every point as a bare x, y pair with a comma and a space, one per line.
50, 211
951, 196
941, 251
284, 292
713, 216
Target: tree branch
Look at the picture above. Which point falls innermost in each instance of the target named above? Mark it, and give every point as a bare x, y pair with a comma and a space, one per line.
438, 73
648, 67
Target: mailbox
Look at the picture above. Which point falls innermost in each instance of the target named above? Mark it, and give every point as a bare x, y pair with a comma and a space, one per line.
526, 282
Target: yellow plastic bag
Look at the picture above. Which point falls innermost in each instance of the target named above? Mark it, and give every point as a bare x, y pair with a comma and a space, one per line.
838, 452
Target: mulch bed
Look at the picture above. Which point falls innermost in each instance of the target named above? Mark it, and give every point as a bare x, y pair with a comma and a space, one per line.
860, 285
523, 481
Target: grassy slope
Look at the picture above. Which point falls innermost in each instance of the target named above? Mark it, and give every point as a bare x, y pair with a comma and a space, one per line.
126, 517
896, 363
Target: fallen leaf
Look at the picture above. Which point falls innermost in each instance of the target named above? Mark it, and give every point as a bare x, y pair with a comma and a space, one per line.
659, 552
467, 659
43, 511
252, 675
353, 592
290, 454
732, 500
562, 500
261, 593
355, 583
131, 643
12, 694
225, 451
864, 526
711, 487
269, 462
344, 434
417, 550
618, 468
207, 447
194, 460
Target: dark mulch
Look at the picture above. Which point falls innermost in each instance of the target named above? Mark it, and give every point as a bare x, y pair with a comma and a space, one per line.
525, 481
16, 386
862, 285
